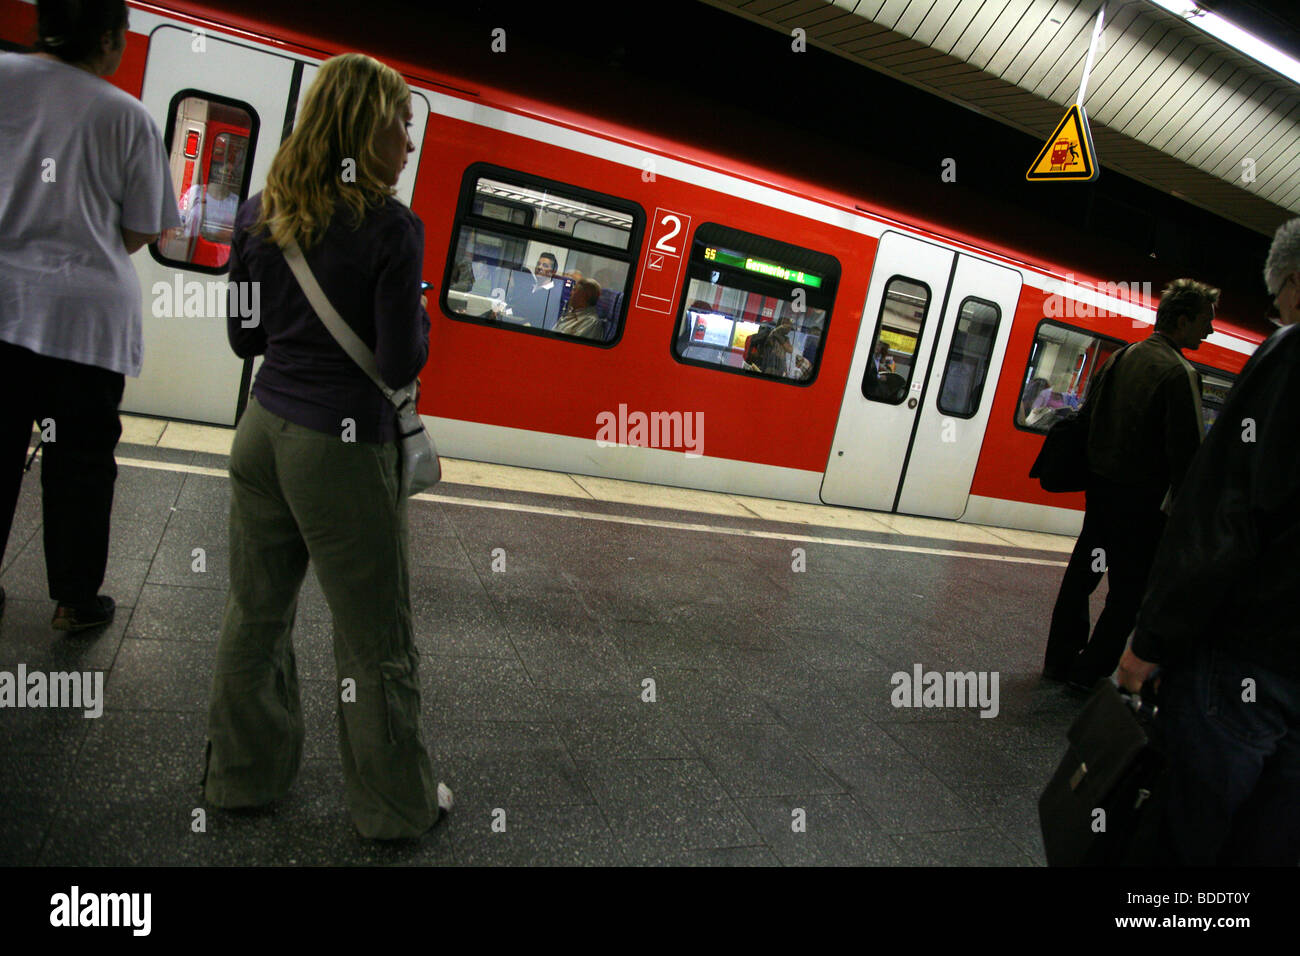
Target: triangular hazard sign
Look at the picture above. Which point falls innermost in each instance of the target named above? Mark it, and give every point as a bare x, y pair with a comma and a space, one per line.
1068, 155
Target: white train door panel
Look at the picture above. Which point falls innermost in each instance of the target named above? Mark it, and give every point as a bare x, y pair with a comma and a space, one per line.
958, 393
189, 370
895, 342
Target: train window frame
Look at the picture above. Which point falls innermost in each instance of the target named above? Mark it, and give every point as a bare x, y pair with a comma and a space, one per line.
254, 129
1095, 333
988, 359
879, 326
465, 216
774, 289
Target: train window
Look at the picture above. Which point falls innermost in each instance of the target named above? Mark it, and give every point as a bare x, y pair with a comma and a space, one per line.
967, 367
754, 305
1061, 366
541, 257
1215, 386
210, 150
898, 330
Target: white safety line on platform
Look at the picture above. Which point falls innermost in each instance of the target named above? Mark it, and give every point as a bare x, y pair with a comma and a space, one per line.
174, 466
647, 522
738, 532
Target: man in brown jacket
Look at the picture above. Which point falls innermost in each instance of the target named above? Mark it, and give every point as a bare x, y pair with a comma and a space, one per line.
1146, 425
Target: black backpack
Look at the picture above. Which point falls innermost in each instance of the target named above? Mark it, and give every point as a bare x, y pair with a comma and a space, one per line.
1062, 464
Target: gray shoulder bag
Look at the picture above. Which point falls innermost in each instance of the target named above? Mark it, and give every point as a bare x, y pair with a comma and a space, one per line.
420, 468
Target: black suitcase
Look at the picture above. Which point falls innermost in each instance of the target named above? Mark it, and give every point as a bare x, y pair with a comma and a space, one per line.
1104, 805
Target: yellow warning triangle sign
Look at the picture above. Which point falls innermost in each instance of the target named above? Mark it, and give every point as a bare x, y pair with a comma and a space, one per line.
1068, 155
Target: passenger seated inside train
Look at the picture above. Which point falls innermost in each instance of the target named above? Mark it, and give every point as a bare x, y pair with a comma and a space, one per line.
1051, 403
581, 318
1032, 390
535, 298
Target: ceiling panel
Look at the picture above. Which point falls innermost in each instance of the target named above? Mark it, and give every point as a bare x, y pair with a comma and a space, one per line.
1147, 93
935, 19
1049, 66
1173, 107
891, 12
991, 44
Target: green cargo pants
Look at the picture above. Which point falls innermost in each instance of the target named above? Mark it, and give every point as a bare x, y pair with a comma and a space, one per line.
299, 494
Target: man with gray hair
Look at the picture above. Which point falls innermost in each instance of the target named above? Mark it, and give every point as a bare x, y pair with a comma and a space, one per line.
1144, 427
1282, 274
581, 318
1221, 616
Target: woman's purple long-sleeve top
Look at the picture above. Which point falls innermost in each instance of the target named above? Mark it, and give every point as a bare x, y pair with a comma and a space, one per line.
371, 275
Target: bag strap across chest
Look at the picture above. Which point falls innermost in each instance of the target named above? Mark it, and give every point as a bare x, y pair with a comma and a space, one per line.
347, 339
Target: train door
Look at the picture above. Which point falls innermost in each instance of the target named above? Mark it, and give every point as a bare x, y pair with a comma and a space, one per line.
929, 350
958, 395
221, 107
895, 341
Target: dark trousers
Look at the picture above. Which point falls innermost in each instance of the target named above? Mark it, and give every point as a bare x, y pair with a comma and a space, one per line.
78, 404
1125, 526
1234, 765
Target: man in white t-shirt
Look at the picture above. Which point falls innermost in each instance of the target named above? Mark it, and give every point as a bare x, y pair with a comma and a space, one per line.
84, 183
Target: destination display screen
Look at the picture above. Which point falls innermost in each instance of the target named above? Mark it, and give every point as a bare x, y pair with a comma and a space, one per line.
772, 269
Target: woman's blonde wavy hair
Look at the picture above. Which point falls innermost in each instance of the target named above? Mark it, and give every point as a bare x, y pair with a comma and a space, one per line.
354, 96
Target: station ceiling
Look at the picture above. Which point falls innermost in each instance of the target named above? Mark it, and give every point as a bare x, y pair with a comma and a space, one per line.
1168, 104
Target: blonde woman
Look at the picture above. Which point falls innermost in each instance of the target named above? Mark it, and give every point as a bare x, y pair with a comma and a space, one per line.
315, 467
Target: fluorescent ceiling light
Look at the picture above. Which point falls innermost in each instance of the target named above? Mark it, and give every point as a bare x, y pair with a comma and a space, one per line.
1234, 36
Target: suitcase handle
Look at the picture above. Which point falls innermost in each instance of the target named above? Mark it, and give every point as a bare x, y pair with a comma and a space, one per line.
1143, 702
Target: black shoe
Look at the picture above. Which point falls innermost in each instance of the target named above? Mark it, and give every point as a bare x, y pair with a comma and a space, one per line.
96, 612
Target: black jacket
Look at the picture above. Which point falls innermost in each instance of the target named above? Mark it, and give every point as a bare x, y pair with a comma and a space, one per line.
1228, 567
1144, 424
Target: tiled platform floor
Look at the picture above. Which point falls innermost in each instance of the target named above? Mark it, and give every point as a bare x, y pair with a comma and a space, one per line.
773, 691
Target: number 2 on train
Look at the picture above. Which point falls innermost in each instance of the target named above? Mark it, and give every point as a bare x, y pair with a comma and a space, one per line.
663, 262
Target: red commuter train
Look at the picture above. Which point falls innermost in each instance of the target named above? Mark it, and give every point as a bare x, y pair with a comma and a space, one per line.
903, 367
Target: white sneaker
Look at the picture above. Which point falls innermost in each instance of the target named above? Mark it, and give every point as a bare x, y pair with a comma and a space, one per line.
445, 798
